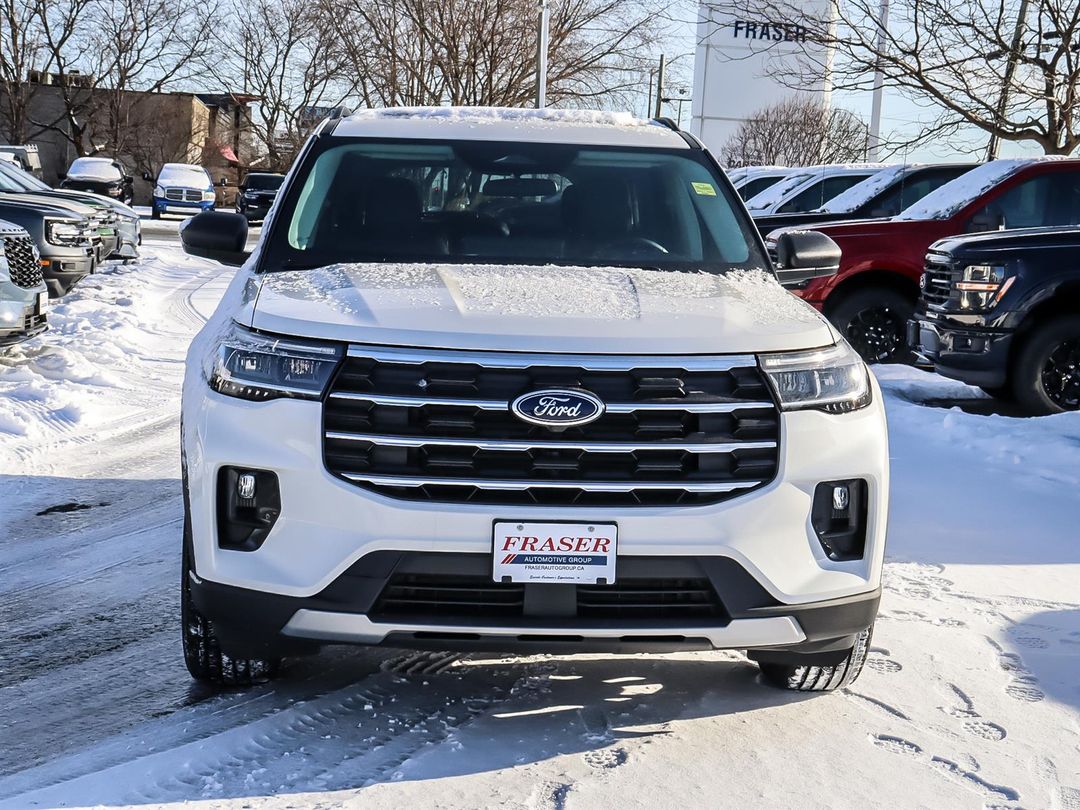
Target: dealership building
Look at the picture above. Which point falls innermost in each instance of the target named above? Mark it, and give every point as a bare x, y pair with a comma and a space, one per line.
737, 59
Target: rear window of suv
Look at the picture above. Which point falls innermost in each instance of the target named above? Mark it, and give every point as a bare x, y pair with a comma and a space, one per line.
522, 203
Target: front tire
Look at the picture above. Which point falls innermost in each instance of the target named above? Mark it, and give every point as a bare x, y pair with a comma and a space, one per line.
874, 321
805, 678
202, 653
1046, 373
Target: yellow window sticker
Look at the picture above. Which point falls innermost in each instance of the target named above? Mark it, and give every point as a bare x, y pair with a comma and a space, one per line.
704, 189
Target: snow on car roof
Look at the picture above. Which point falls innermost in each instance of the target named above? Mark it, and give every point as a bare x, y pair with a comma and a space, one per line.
948, 199
861, 193
778, 192
590, 127
93, 168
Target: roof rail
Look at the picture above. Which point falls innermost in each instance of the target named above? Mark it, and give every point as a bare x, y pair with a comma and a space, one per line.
339, 112
667, 122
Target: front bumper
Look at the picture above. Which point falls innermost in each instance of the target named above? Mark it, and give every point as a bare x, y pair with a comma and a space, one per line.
327, 528
164, 206
21, 320
129, 235
254, 210
977, 356
64, 270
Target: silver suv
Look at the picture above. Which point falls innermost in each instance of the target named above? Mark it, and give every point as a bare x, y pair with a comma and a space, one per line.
23, 295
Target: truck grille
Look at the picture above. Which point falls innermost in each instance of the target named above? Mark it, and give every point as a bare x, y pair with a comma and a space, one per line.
183, 194
437, 426
937, 279
23, 261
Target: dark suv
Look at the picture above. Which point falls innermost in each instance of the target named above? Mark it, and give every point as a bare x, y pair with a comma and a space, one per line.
256, 195
1002, 311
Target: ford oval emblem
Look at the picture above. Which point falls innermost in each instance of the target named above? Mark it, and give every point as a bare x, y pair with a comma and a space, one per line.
558, 408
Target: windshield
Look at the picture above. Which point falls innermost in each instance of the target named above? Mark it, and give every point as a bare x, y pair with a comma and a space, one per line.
776, 192
12, 178
101, 169
182, 175
491, 202
950, 198
264, 182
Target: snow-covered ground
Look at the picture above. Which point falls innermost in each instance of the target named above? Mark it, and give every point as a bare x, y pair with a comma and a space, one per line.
971, 697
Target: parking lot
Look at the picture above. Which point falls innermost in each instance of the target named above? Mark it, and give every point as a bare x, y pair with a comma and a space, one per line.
969, 699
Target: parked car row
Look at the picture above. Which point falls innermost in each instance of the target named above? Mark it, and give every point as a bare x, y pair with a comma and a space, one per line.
975, 270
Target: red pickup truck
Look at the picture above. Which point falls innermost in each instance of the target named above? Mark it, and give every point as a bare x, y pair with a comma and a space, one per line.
872, 297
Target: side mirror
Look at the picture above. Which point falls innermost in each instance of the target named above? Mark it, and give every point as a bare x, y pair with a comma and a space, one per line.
986, 220
223, 181
217, 235
805, 255
149, 178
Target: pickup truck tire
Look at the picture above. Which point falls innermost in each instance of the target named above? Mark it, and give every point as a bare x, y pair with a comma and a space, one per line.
203, 655
1046, 373
805, 678
874, 321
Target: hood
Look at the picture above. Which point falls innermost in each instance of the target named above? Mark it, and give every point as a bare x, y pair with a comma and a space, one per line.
538, 309
1010, 240
59, 202
95, 201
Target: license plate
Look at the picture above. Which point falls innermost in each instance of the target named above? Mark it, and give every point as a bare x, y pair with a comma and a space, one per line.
42, 303
554, 552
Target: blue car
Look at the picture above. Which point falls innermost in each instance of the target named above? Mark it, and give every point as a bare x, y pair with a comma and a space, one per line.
184, 189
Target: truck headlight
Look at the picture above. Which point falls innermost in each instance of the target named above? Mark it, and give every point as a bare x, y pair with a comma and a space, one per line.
209, 196
159, 191
63, 232
248, 365
983, 285
833, 379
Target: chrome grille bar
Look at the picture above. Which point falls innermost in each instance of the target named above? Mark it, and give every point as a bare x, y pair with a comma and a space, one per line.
510, 445
518, 485
502, 405
589, 362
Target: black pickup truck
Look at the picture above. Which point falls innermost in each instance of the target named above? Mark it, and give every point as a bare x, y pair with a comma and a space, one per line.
885, 194
1001, 310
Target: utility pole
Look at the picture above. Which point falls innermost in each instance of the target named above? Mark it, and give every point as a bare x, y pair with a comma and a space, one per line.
659, 86
1010, 68
874, 144
541, 53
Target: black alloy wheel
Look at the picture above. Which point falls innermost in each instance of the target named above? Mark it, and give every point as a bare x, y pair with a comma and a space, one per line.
1060, 375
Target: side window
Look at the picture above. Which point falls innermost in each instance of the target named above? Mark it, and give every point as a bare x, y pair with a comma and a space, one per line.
1029, 204
820, 193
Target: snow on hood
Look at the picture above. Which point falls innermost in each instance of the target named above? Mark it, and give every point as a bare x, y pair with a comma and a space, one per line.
539, 308
97, 169
182, 175
948, 199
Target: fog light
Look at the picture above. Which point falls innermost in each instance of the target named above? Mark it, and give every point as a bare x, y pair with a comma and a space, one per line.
249, 503
838, 516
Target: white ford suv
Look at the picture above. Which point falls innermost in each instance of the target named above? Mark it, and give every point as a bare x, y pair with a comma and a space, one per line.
524, 380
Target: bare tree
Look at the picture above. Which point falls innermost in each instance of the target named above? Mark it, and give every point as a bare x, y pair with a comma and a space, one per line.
282, 54
481, 52
109, 56
1009, 67
796, 132
21, 53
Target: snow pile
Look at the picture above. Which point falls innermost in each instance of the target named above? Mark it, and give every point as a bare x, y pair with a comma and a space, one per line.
948, 199
505, 114
106, 356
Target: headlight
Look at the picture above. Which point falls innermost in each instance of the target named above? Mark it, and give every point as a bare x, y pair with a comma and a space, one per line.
159, 191
983, 285
834, 379
259, 367
114, 191
251, 195
209, 196
63, 232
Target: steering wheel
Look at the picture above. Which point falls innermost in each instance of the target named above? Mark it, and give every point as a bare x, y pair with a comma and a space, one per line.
635, 246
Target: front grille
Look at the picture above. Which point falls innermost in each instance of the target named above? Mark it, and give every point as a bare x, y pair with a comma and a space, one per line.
437, 426
937, 279
183, 194
444, 597
23, 261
